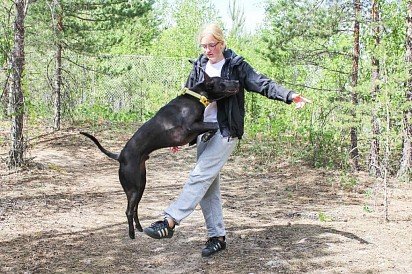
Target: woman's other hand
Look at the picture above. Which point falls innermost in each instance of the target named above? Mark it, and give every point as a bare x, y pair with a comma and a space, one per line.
299, 100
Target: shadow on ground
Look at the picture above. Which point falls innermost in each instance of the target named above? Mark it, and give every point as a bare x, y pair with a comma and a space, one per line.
107, 249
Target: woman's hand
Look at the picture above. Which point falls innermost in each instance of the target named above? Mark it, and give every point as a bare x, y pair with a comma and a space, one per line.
299, 100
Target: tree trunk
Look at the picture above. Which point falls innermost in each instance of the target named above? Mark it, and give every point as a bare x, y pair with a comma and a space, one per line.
58, 58
57, 88
386, 161
374, 161
354, 152
16, 97
4, 98
406, 161
237, 14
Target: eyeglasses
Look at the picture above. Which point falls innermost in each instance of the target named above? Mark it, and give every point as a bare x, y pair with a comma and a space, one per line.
210, 45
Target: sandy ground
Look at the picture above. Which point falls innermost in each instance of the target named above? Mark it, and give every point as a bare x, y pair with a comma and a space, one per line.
64, 213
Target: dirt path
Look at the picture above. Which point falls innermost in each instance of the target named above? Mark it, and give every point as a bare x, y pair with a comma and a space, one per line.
65, 214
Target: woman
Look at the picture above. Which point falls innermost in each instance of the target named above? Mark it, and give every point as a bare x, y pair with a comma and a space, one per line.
203, 185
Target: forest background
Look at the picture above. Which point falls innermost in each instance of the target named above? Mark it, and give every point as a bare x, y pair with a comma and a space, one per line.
116, 62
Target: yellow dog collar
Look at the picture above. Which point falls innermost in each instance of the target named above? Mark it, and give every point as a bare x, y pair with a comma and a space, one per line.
202, 99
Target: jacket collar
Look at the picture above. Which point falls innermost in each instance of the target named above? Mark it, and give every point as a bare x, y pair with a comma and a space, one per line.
229, 55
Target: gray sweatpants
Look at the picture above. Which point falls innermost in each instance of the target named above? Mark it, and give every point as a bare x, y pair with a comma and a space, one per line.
203, 185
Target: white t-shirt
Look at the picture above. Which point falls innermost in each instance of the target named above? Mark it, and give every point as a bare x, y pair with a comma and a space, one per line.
213, 70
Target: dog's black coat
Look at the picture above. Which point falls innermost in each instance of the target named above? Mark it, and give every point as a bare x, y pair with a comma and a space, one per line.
175, 124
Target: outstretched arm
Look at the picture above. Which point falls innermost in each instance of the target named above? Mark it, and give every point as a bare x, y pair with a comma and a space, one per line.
257, 82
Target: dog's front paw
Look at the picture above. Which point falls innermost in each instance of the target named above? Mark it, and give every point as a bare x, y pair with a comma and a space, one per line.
207, 136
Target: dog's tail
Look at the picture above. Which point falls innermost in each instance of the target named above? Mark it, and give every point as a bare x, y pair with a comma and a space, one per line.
102, 149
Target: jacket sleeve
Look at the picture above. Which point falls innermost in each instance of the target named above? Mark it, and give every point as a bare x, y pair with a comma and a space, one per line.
256, 82
194, 76
190, 82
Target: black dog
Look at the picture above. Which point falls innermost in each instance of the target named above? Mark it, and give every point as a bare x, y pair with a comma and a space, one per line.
175, 124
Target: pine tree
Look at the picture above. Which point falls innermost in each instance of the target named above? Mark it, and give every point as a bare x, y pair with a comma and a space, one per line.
16, 97
85, 27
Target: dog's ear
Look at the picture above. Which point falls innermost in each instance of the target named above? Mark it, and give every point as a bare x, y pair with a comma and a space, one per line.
207, 77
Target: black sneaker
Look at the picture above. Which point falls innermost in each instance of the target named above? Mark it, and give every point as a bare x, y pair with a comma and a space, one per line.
213, 245
159, 230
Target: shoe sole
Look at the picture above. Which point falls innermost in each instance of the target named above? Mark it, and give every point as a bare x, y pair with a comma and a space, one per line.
213, 253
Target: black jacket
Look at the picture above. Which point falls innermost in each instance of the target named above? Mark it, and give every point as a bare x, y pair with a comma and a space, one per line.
231, 110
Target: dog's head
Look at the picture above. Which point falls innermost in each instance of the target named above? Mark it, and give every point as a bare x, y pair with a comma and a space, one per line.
215, 88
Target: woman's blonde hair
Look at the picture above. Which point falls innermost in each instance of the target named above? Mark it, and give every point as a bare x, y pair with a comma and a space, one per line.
214, 30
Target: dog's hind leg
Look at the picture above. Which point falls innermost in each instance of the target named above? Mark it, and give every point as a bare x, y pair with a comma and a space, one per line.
130, 211
136, 219
141, 188
129, 187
